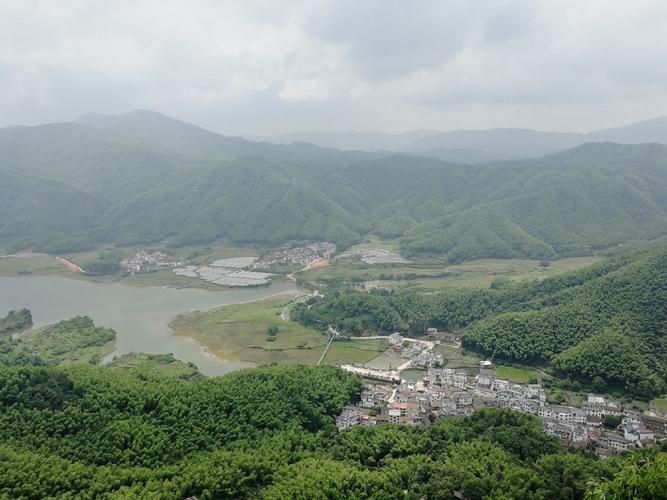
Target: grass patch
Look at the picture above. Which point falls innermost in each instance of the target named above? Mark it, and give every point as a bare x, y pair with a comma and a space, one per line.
660, 404
355, 351
162, 365
434, 275
457, 358
31, 265
239, 332
521, 375
564, 397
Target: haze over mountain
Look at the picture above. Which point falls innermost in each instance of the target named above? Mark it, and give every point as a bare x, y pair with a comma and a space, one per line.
141, 177
479, 146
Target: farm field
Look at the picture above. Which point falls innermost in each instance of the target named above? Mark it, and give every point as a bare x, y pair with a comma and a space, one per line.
660, 404
520, 375
426, 275
38, 264
432, 275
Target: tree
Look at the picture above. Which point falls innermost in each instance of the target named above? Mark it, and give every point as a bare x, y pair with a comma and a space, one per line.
598, 384
611, 421
272, 331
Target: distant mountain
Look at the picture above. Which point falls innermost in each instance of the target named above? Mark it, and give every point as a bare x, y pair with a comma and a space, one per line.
156, 129
465, 156
533, 143
502, 141
141, 177
654, 130
479, 146
351, 140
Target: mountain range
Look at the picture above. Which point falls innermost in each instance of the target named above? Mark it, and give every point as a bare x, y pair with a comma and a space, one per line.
142, 177
478, 146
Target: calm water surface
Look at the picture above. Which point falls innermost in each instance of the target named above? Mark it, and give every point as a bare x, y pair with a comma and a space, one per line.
140, 315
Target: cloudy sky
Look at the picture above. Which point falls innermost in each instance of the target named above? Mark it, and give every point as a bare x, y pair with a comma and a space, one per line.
252, 66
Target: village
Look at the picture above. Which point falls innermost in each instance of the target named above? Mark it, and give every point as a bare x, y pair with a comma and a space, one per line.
300, 256
147, 261
600, 425
233, 271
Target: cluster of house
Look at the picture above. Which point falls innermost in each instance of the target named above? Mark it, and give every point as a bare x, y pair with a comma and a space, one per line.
447, 392
420, 353
300, 256
584, 426
442, 336
142, 262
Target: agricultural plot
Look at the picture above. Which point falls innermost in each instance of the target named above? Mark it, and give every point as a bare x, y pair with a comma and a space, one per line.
227, 272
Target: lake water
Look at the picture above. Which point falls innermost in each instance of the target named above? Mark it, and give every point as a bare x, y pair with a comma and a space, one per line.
140, 315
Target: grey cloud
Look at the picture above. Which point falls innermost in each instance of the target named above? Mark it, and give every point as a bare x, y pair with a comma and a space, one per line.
271, 67
385, 39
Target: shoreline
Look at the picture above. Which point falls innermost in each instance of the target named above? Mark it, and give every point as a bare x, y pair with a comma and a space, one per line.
76, 272
206, 351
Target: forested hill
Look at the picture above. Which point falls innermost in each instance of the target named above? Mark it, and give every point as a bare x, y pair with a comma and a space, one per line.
91, 432
142, 177
606, 325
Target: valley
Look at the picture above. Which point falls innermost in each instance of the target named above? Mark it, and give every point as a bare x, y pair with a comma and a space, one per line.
333, 250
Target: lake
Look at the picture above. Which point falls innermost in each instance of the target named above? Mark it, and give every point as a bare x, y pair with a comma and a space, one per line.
140, 315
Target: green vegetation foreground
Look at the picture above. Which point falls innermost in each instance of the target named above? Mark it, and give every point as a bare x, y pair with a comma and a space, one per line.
90, 432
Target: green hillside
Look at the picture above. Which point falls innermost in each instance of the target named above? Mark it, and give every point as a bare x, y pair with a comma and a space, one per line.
142, 177
591, 197
69, 188
607, 322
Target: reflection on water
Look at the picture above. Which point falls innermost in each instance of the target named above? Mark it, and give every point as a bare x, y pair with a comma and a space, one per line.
140, 315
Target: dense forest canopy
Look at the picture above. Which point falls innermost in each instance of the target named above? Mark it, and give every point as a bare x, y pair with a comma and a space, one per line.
608, 320
142, 178
268, 432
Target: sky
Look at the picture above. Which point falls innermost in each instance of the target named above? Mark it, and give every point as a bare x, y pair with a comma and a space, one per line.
270, 67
